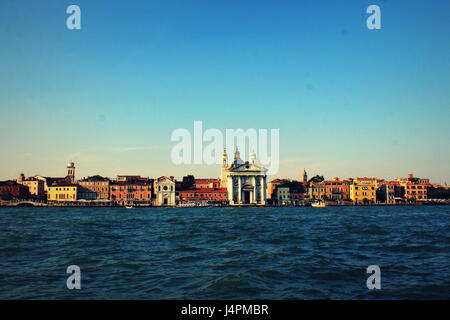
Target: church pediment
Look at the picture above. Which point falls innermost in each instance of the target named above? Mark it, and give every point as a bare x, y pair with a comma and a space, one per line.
247, 167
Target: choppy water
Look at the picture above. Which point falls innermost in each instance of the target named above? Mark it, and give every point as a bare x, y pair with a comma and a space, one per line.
225, 253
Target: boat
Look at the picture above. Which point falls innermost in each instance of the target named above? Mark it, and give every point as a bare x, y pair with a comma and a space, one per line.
318, 204
129, 207
187, 205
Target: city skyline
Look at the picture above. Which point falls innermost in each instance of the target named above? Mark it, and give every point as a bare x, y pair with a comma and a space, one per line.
77, 177
348, 101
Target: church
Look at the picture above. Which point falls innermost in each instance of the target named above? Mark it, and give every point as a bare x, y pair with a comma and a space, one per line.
246, 182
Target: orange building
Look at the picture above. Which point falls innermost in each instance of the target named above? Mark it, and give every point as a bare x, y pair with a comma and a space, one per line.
333, 190
415, 188
131, 190
203, 196
206, 183
94, 188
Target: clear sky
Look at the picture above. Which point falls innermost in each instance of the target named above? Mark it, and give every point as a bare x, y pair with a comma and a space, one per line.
348, 101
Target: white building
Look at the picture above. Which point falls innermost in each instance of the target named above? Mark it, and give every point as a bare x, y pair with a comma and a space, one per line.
282, 195
165, 191
246, 182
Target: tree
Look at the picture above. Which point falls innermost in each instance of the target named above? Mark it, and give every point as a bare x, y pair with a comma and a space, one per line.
316, 179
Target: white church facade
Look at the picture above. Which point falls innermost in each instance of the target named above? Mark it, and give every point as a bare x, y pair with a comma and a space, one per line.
246, 182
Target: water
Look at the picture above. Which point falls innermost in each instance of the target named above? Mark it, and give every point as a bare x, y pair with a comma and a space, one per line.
225, 253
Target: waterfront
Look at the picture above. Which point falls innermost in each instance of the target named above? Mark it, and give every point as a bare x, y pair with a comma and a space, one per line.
225, 253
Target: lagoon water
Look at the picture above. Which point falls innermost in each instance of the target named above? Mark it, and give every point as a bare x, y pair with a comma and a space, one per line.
225, 253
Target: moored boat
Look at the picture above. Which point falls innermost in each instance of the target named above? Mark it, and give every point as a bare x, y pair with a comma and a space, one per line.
318, 204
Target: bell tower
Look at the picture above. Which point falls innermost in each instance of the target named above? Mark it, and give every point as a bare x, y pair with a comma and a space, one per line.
223, 171
305, 176
71, 171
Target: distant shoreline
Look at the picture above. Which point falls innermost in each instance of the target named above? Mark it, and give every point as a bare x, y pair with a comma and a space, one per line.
214, 206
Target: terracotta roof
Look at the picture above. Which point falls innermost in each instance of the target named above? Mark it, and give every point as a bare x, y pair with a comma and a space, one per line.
164, 177
206, 190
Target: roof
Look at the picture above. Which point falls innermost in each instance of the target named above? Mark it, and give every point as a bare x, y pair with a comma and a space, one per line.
277, 181
397, 183
205, 190
62, 184
130, 183
52, 180
164, 177
206, 180
9, 183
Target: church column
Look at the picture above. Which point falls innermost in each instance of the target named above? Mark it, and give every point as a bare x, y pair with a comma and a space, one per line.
253, 193
264, 190
239, 190
258, 188
230, 189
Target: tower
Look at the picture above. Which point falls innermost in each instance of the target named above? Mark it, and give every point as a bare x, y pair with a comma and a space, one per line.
224, 158
252, 157
71, 172
305, 176
21, 178
237, 157
223, 171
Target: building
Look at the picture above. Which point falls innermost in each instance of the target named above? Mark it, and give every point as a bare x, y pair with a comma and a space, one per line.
165, 191
272, 186
411, 178
415, 188
131, 190
390, 192
62, 191
246, 181
94, 188
12, 190
282, 196
203, 196
363, 190
297, 191
332, 190
50, 181
35, 186
207, 183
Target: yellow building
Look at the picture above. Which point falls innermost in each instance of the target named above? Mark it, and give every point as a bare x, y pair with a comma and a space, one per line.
35, 186
364, 190
62, 192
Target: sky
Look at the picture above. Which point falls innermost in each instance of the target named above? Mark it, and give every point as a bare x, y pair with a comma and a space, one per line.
348, 101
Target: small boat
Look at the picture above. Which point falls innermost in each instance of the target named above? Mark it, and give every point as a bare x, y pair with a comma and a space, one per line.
187, 205
129, 207
318, 204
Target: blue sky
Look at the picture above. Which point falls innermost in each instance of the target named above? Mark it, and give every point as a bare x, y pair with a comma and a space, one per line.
348, 101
